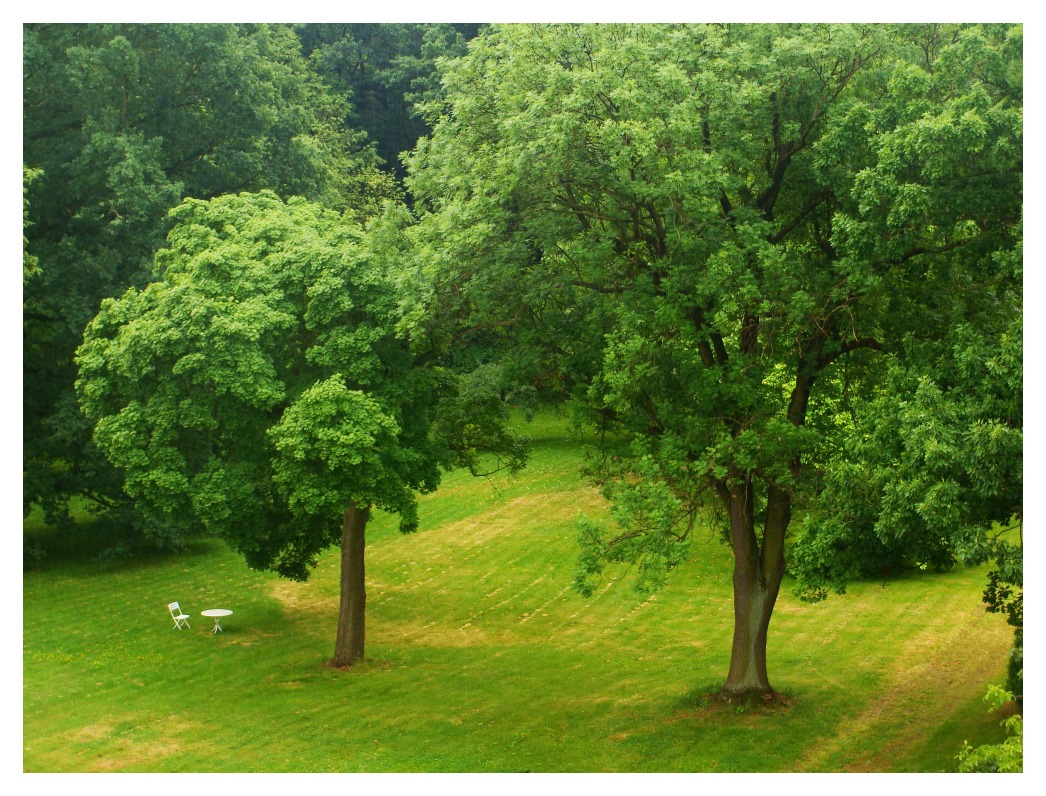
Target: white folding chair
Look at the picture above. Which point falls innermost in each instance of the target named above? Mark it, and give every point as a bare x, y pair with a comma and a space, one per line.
177, 615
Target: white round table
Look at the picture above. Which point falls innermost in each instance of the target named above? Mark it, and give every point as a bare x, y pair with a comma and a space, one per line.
217, 614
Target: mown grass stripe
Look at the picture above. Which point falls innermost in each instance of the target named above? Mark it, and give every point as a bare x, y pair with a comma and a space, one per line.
494, 664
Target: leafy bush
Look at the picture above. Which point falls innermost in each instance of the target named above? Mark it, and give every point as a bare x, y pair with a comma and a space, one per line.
1004, 758
1005, 595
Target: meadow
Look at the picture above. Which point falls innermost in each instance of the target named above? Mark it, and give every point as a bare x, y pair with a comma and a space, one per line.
482, 658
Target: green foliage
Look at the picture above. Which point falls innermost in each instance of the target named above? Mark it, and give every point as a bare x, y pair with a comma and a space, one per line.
259, 386
29, 262
334, 443
124, 121
474, 424
927, 466
649, 517
385, 69
741, 248
1004, 758
1005, 595
1005, 592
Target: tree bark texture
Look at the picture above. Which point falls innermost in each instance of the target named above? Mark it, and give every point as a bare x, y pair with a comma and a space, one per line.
758, 572
348, 647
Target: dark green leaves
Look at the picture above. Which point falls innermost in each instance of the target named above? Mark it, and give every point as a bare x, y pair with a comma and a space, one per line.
721, 237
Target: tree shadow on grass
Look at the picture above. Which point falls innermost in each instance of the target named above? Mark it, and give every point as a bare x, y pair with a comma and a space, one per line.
97, 545
706, 701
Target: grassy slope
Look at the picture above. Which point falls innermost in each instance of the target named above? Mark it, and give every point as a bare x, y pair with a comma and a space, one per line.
481, 658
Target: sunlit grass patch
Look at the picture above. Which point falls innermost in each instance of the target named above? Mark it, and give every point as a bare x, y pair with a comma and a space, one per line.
480, 657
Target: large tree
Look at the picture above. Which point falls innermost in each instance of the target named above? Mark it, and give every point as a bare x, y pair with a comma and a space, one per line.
122, 122
731, 243
260, 390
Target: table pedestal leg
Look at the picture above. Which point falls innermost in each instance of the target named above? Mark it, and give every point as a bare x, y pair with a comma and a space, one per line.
217, 626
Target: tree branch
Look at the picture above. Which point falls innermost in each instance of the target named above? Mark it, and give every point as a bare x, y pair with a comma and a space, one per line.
847, 347
800, 216
606, 289
920, 250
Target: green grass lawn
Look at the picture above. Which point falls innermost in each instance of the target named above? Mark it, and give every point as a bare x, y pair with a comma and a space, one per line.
480, 657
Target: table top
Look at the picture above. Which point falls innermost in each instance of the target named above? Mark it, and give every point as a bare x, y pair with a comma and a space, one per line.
216, 612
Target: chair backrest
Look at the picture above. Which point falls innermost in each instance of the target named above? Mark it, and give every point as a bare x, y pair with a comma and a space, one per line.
174, 608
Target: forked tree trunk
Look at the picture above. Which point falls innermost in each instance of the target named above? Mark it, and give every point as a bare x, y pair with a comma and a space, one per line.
757, 581
348, 648
758, 570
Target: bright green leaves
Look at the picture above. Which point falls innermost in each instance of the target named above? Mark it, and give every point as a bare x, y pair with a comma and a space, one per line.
260, 386
946, 150
1006, 757
652, 530
137, 440
336, 445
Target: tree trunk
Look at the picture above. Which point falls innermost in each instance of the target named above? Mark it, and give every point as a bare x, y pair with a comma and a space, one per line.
348, 648
757, 581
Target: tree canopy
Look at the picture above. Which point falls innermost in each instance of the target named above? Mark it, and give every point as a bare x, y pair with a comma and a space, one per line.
199, 383
735, 246
120, 123
260, 391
